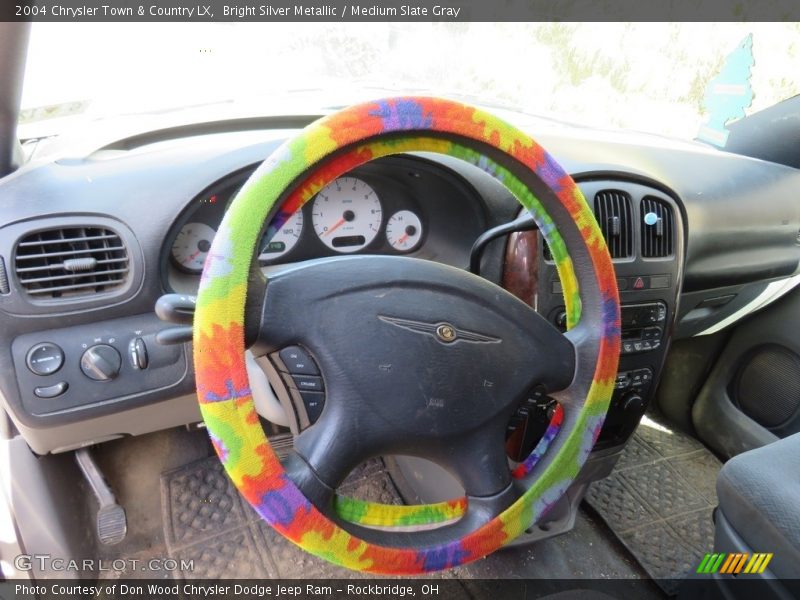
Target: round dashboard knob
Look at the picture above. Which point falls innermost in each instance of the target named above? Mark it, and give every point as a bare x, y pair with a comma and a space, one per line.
632, 403
101, 362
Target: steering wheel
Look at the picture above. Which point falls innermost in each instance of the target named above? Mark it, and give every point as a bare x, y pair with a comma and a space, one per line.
418, 358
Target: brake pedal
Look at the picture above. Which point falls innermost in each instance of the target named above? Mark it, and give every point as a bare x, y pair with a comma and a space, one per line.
112, 525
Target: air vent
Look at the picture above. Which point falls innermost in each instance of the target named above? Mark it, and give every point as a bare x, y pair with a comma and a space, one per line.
69, 262
612, 208
658, 229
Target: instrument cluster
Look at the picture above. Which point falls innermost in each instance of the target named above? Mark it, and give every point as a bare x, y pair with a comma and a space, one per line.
352, 214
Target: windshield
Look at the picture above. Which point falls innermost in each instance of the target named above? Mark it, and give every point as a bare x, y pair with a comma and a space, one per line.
650, 77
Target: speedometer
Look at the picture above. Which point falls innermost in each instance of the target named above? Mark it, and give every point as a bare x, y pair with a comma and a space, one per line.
277, 241
191, 246
347, 214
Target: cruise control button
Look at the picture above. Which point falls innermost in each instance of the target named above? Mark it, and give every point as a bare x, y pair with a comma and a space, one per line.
51, 391
314, 403
307, 383
298, 361
45, 358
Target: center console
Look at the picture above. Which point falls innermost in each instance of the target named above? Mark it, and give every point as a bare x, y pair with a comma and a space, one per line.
642, 228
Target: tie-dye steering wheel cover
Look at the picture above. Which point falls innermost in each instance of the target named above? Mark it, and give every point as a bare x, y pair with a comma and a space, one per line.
290, 177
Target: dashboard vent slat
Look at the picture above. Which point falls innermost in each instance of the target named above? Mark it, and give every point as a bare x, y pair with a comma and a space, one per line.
46, 268
87, 238
29, 281
658, 228
72, 252
613, 211
65, 262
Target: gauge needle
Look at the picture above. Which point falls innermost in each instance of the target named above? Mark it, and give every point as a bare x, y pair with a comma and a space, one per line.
336, 226
402, 239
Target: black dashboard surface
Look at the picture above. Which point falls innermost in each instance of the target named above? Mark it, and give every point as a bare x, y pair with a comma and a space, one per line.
740, 220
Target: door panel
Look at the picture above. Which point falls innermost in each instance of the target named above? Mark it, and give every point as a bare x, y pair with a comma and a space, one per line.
752, 395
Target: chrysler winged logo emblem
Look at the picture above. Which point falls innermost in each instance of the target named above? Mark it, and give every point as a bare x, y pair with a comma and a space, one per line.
444, 332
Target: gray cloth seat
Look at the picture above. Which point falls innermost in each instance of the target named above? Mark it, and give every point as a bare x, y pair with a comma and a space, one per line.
759, 497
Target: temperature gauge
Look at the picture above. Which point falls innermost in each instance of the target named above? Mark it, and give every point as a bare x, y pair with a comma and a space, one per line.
191, 246
404, 231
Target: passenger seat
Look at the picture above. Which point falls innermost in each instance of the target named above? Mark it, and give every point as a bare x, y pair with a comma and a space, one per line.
759, 506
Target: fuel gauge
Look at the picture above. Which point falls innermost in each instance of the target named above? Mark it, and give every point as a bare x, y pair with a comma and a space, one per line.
191, 246
404, 231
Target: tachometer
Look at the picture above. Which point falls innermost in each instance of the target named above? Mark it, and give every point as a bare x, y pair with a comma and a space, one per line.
404, 231
191, 246
347, 214
277, 242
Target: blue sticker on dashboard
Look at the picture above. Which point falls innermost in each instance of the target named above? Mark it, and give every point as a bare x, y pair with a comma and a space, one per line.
728, 94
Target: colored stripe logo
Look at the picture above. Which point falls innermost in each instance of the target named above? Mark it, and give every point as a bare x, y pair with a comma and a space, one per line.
735, 563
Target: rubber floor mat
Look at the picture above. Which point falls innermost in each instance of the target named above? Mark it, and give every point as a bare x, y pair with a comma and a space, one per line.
209, 525
659, 500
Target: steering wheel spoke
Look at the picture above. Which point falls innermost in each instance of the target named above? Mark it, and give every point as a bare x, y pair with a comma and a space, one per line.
305, 477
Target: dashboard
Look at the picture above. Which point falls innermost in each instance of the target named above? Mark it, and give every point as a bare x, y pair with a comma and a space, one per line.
88, 243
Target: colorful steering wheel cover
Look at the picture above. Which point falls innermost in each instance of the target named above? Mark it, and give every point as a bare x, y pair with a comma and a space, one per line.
290, 177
